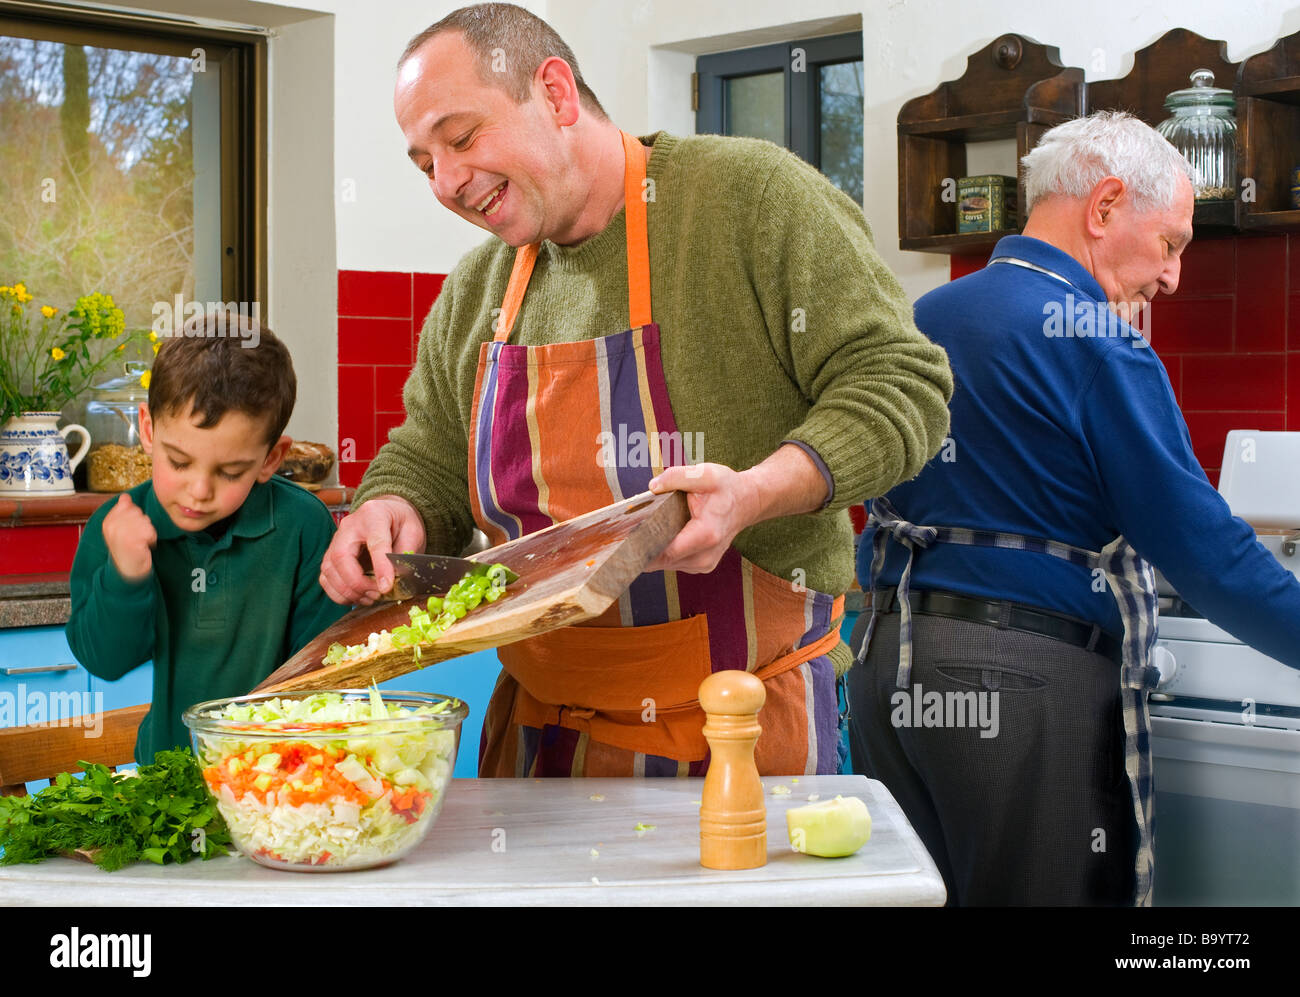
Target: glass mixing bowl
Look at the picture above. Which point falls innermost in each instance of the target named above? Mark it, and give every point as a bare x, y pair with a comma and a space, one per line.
327, 780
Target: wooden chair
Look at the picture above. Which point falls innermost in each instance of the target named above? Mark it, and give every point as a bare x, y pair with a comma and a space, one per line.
41, 751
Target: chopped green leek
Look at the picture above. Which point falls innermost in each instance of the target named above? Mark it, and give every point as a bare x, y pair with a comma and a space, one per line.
426, 627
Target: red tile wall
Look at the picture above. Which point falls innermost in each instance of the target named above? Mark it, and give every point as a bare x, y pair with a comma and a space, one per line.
1229, 337
380, 315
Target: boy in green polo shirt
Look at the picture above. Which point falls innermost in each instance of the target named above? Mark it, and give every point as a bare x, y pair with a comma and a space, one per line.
212, 567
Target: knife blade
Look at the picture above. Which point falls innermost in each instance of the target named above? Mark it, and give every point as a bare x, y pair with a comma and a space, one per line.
432, 574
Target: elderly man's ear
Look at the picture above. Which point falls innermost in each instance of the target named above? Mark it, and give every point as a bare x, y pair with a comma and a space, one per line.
1105, 196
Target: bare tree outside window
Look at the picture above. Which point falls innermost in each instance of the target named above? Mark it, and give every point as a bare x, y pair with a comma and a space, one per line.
98, 173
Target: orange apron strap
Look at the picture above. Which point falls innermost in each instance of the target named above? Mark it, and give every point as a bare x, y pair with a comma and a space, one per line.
638, 251
638, 240
525, 257
823, 645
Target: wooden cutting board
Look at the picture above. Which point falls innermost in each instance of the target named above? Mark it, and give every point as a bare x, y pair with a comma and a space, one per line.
568, 573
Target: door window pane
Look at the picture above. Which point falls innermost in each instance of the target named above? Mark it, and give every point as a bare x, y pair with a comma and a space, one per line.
840, 135
756, 106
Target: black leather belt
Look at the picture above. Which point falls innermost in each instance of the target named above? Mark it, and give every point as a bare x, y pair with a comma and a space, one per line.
1005, 616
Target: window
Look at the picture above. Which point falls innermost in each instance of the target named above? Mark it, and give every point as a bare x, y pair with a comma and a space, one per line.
132, 161
804, 95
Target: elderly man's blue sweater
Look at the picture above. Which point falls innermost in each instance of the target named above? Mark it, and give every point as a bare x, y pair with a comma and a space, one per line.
1075, 439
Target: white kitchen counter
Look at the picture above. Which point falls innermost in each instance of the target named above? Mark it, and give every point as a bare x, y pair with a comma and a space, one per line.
529, 842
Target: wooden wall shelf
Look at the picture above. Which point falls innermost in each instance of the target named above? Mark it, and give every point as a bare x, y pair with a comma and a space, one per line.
965, 243
1158, 70
1268, 118
1016, 87
1013, 88
1271, 221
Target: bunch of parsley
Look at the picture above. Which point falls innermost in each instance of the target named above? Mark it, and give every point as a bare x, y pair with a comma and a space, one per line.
163, 812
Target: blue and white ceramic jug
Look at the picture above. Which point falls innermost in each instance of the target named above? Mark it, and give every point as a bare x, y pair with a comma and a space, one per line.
34, 455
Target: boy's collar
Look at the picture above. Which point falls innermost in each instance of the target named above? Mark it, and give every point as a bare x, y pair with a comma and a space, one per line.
254, 518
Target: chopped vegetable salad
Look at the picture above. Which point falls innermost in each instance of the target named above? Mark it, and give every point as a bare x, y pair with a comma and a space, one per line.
327, 780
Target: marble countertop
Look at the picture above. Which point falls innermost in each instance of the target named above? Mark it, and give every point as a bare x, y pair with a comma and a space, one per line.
529, 842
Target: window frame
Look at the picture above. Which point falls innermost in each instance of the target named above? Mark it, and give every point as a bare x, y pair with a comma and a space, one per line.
242, 58
802, 108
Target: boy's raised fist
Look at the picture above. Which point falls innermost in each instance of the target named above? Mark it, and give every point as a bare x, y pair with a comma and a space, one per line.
129, 536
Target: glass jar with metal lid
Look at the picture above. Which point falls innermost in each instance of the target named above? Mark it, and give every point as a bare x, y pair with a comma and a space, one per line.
117, 461
1204, 130
113, 412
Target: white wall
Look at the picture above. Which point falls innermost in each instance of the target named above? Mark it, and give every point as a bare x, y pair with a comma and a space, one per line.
335, 61
909, 48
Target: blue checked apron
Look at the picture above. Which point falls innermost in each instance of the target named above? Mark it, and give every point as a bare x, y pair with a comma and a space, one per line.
1132, 583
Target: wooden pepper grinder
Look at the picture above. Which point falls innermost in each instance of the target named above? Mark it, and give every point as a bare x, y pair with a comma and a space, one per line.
733, 813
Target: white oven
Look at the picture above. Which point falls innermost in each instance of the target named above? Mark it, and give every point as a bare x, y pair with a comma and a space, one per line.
1225, 719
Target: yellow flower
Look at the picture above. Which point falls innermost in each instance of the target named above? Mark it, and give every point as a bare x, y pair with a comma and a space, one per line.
48, 311
57, 353
121, 348
155, 347
144, 379
153, 337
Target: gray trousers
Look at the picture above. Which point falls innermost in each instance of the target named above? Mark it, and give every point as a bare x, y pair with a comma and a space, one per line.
1035, 812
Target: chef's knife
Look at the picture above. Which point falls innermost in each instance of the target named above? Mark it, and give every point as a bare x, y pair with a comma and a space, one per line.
427, 574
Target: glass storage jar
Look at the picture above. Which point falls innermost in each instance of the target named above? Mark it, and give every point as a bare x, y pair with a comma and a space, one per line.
1204, 130
117, 461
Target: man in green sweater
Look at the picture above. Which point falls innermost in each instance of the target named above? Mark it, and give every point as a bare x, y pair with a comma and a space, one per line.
782, 347
210, 568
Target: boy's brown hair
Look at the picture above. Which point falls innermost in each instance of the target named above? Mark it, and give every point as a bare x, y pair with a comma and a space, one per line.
215, 370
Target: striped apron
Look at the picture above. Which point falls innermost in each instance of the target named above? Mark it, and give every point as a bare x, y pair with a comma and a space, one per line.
1132, 582
559, 430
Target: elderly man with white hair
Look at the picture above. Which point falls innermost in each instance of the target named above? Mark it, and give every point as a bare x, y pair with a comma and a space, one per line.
1001, 694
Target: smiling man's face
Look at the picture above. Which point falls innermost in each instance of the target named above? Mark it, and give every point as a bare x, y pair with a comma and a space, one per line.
1140, 254
492, 161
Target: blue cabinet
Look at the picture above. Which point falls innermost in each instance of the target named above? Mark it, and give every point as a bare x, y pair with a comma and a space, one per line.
132, 689
41, 681
39, 671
